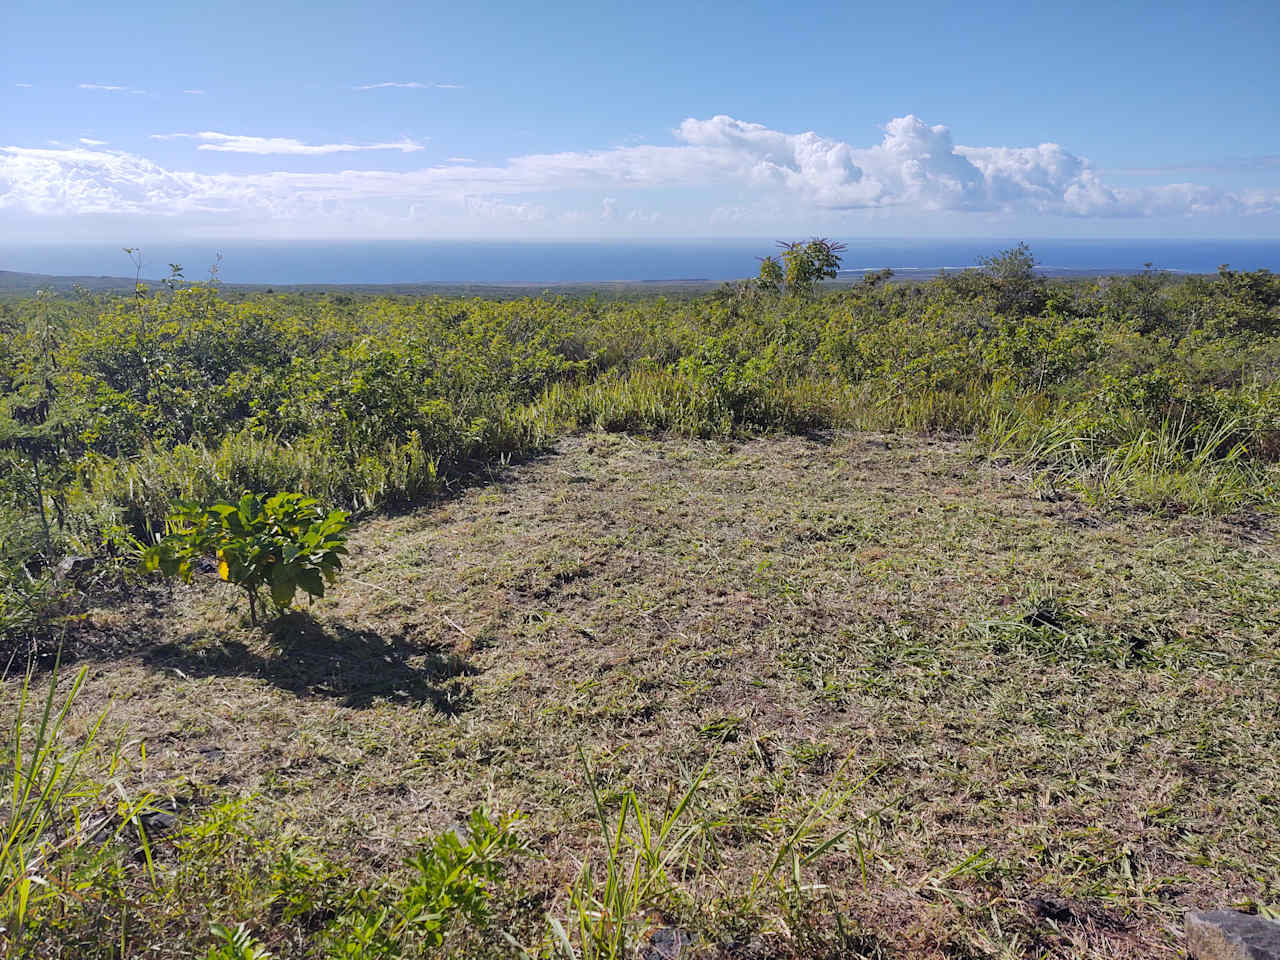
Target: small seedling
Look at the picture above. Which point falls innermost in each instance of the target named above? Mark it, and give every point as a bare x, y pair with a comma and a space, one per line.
282, 543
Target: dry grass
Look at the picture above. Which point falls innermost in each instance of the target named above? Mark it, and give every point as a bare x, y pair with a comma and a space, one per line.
1068, 719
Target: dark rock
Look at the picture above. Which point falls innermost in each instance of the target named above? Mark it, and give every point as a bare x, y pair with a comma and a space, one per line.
1231, 935
668, 943
72, 567
1050, 909
158, 823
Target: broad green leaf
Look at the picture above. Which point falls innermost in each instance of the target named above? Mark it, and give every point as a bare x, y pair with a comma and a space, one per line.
283, 584
311, 581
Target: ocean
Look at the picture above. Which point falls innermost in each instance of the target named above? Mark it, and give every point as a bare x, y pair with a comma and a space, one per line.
506, 262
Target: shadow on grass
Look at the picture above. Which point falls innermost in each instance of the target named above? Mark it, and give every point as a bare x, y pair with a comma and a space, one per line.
312, 658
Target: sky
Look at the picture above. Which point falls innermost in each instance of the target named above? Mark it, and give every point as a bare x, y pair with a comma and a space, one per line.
565, 120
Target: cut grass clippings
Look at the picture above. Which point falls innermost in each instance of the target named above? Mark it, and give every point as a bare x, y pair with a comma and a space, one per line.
1052, 728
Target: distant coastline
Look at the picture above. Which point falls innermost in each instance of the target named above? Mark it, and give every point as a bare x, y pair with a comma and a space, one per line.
679, 265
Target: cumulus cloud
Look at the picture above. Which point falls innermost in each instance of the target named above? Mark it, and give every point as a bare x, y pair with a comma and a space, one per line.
730, 171
86, 181
234, 143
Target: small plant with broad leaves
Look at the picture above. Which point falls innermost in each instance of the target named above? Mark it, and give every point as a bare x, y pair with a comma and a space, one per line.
235, 943
281, 543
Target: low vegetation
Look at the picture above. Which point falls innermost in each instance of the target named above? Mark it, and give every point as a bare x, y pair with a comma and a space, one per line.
919, 620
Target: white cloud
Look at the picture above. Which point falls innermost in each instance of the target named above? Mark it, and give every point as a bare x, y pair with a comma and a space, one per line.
404, 84
496, 209
409, 85
720, 171
93, 143
194, 93
23, 84
110, 88
458, 160
233, 143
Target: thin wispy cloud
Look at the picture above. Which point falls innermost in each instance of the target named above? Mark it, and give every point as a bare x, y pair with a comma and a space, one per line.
1269, 161
111, 88
403, 84
195, 93
23, 84
458, 160
410, 85
234, 143
88, 142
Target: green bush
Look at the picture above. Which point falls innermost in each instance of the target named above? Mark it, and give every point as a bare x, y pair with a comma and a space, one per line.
114, 410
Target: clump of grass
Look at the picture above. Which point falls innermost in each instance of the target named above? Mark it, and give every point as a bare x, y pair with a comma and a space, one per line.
614, 910
60, 820
1200, 467
611, 912
681, 403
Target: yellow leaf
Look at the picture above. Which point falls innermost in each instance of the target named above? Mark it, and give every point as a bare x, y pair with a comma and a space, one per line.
223, 571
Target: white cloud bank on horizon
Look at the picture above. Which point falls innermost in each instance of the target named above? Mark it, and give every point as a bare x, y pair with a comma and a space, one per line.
915, 169
233, 143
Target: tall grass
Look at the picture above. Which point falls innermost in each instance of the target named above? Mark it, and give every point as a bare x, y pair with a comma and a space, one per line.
611, 911
615, 907
59, 819
1202, 467
672, 401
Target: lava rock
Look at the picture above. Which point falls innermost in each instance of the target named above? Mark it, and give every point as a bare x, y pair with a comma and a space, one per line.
72, 567
1231, 935
667, 943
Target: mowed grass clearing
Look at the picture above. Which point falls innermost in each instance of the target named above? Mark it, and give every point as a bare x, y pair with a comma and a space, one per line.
1063, 725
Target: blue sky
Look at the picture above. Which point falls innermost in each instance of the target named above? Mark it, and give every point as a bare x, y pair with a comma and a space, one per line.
577, 120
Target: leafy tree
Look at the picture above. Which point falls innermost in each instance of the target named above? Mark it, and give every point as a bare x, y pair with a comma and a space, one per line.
807, 264
771, 275
34, 427
874, 278
1011, 273
1248, 301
